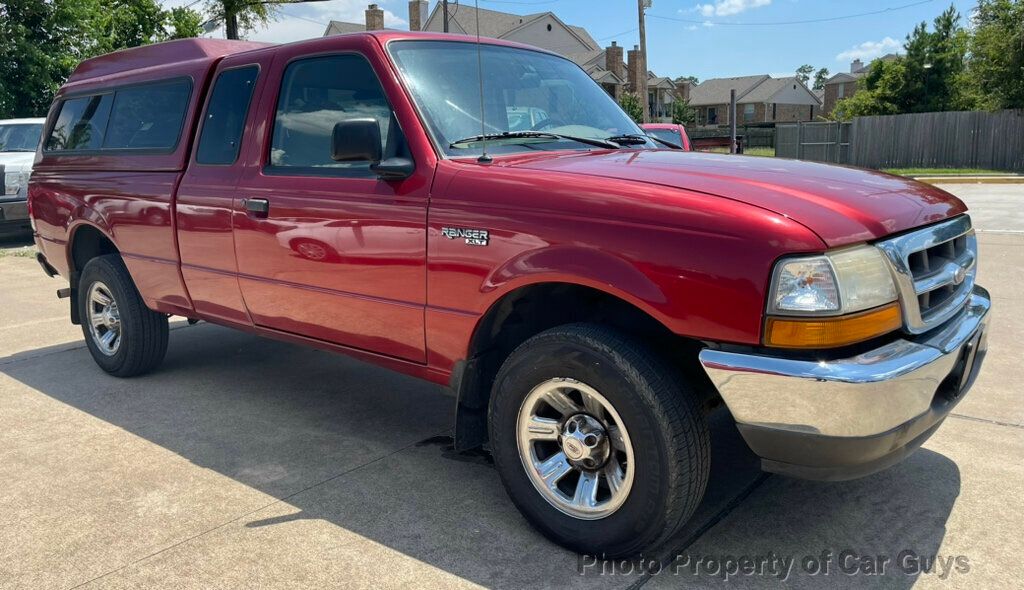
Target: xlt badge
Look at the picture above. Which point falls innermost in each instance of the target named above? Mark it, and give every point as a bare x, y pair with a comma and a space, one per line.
473, 237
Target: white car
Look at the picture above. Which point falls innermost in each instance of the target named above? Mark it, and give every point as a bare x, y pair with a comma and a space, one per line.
19, 139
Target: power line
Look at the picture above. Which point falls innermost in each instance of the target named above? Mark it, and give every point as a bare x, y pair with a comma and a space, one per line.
792, 22
535, 3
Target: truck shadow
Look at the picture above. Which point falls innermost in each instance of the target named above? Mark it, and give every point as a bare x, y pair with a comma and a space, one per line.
365, 449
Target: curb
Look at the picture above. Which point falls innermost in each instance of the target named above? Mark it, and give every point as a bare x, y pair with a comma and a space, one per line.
970, 179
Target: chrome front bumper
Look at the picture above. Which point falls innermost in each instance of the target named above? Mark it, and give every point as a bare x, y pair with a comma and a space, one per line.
819, 415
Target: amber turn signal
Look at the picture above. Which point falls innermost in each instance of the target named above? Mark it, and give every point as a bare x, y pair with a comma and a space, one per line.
830, 332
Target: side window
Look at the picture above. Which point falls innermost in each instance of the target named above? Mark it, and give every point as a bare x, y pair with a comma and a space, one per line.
148, 117
224, 122
317, 93
80, 124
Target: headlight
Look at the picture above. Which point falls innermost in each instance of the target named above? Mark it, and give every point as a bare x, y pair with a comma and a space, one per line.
831, 299
14, 182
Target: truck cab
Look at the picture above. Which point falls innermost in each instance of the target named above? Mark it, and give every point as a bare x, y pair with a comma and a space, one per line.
484, 216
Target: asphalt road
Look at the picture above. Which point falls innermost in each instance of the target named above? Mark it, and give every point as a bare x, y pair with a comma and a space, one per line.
245, 462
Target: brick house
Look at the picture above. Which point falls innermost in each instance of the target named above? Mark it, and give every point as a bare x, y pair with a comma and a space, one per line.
844, 84
545, 30
759, 99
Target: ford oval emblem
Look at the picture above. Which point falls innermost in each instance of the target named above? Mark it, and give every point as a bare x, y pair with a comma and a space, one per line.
959, 275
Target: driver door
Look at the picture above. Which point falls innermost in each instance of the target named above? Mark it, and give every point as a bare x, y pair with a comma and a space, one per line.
325, 249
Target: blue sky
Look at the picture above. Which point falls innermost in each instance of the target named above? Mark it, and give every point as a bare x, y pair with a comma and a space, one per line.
707, 39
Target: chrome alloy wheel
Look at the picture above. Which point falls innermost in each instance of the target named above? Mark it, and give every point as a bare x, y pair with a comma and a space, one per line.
575, 448
104, 319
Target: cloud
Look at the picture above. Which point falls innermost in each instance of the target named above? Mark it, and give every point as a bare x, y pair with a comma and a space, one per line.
729, 7
869, 50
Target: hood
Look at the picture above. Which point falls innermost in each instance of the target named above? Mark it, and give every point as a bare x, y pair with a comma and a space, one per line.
841, 205
17, 161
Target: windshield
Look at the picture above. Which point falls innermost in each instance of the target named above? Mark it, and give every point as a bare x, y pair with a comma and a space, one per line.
523, 91
668, 135
22, 137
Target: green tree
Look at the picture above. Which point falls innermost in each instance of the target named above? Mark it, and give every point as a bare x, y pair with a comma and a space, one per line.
929, 78
803, 73
820, 77
882, 91
125, 23
683, 113
630, 103
42, 41
934, 65
995, 73
182, 23
242, 15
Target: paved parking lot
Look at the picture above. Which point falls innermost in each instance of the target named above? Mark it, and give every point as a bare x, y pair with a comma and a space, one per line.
244, 462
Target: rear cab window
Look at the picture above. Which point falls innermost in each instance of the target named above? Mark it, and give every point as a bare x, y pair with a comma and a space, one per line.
143, 117
224, 120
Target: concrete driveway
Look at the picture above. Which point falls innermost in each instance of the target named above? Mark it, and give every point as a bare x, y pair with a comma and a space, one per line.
243, 462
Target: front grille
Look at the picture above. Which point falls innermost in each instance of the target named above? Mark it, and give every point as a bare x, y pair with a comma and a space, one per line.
934, 270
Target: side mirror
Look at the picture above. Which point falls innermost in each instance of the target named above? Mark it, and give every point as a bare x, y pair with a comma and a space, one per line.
356, 140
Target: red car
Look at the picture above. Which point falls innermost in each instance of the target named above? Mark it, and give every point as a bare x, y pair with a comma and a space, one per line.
588, 294
669, 132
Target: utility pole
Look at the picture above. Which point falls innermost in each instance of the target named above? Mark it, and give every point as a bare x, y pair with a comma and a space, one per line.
732, 121
444, 6
643, 5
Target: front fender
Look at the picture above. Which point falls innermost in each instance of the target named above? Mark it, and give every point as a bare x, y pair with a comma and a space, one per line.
579, 265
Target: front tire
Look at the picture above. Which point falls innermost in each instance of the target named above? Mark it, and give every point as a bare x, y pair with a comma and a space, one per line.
124, 337
598, 443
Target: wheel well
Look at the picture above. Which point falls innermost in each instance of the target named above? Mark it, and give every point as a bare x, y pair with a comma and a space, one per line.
88, 243
530, 310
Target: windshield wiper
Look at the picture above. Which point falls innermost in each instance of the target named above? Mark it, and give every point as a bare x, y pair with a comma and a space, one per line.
668, 144
533, 135
628, 139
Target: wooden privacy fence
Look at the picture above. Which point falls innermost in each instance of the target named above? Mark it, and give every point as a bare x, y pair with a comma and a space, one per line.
752, 136
820, 142
940, 140
968, 139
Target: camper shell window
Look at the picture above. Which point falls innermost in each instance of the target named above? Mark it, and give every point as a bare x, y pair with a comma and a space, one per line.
145, 117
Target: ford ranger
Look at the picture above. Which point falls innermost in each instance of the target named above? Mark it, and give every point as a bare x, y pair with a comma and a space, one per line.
484, 216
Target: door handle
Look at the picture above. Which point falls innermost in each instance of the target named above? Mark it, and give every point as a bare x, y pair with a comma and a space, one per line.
257, 207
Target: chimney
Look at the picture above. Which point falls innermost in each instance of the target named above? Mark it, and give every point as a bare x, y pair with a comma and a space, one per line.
374, 18
613, 60
418, 10
856, 66
636, 69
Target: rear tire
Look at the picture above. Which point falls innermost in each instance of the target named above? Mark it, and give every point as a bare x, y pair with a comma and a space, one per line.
617, 380
124, 337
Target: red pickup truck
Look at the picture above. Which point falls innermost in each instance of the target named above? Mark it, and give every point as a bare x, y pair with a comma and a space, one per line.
589, 295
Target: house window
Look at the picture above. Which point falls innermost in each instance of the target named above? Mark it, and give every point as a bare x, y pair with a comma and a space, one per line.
712, 116
839, 90
748, 112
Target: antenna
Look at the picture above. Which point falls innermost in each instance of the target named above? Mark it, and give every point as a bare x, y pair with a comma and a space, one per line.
484, 158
